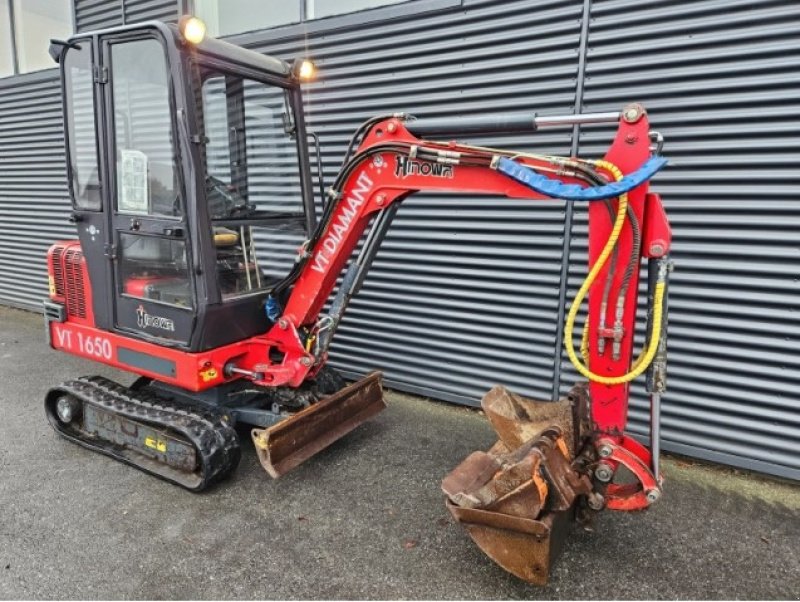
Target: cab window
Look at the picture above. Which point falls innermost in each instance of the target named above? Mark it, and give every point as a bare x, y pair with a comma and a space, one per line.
145, 158
81, 132
253, 179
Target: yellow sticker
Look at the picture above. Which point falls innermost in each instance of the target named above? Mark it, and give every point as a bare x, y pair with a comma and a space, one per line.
208, 374
51, 283
156, 444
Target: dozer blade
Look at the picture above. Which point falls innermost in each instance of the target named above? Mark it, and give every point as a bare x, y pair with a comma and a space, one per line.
515, 499
291, 442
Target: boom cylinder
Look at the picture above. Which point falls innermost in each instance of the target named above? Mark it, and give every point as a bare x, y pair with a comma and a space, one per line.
501, 123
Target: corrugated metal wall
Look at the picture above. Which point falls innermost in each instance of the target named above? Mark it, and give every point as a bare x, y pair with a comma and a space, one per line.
33, 185
145, 10
99, 14
465, 292
33, 189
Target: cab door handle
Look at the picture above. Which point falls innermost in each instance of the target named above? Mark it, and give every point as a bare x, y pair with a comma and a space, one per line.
173, 232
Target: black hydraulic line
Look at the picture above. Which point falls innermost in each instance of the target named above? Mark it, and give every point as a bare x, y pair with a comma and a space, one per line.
633, 261
356, 272
341, 178
612, 267
361, 131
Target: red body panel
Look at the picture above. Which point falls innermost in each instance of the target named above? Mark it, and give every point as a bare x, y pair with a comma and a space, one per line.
142, 287
192, 371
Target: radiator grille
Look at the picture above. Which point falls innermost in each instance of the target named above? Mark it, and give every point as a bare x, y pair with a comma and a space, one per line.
74, 286
58, 271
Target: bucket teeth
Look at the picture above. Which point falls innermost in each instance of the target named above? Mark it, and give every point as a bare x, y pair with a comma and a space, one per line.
514, 499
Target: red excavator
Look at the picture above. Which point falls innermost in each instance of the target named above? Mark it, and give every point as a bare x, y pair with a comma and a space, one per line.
190, 176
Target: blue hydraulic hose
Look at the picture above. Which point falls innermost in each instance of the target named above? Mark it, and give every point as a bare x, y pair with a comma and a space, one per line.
573, 192
273, 309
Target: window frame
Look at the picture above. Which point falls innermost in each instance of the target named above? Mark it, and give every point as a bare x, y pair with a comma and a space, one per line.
113, 176
187, 258
308, 26
67, 139
9, 5
225, 70
201, 61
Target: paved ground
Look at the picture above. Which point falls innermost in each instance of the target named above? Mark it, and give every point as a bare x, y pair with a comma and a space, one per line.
363, 520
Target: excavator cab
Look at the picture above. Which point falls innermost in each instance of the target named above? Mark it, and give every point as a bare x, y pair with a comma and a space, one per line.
189, 176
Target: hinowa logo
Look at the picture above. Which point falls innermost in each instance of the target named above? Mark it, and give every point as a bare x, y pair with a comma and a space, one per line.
145, 320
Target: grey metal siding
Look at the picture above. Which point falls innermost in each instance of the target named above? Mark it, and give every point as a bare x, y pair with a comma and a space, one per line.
720, 81
33, 187
146, 10
465, 291
100, 14
97, 14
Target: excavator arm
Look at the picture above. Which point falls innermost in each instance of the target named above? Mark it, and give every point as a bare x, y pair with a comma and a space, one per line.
551, 458
392, 163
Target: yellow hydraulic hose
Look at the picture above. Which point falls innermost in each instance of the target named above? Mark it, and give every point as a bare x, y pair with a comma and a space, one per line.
658, 303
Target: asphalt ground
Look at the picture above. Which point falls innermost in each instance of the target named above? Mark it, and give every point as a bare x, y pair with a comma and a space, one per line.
363, 519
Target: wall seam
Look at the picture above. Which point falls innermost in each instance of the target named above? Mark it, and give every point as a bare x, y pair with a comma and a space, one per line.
568, 209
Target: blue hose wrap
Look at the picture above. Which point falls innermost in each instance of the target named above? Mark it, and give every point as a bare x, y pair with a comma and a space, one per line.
273, 308
573, 192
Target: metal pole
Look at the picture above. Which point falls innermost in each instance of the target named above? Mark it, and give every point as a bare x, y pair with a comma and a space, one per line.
243, 244
568, 210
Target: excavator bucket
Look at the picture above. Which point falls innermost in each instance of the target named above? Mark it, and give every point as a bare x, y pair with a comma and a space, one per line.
523, 547
516, 499
291, 442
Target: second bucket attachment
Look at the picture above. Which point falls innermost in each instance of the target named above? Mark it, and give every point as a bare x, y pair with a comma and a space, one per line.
516, 499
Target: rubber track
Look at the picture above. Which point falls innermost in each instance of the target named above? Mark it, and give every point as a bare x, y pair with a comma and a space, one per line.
214, 439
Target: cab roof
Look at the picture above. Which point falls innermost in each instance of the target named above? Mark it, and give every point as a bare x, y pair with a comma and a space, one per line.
211, 47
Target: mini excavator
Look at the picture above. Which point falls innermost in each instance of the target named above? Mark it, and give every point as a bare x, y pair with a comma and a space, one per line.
190, 177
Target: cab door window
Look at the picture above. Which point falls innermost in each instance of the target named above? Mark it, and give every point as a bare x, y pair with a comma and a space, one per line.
154, 268
145, 158
152, 249
81, 131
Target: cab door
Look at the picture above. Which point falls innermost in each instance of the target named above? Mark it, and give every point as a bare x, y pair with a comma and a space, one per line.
154, 295
84, 168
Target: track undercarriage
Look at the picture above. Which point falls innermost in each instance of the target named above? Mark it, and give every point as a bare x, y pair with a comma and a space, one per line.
191, 440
